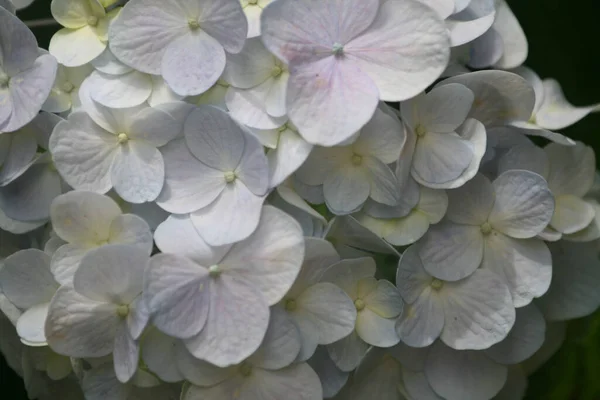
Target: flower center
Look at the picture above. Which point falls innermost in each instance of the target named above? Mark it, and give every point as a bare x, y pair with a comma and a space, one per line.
223, 83
337, 49
359, 304
68, 87
437, 284
420, 130
290, 304
486, 228
123, 310
92, 21
122, 138
214, 271
245, 369
356, 159
229, 176
276, 71
193, 24
252, 2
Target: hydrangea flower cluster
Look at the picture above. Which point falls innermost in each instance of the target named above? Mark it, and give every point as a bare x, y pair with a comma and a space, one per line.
287, 199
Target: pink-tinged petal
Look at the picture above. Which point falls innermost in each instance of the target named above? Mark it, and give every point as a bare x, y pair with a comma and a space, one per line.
405, 49
330, 100
303, 30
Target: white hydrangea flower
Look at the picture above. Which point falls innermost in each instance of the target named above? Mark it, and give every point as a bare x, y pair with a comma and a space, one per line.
378, 304
504, 99
473, 313
448, 147
185, 41
103, 312
26, 73
64, 95
319, 309
27, 282
259, 80
219, 174
217, 298
265, 375
85, 33
99, 148
340, 67
494, 225
570, 173
403, 225
85, 221
353, 173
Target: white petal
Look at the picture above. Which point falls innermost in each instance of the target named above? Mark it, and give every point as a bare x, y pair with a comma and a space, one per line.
253, 167
575, 274
137, 172
232, 217
270, 259
471, 23
112, 274
330, 310
386, 50
158, 353
445, 108
252, 66
525, 265
189, 184
177, 235
349, 235
332, 107
398, 231
348, 352
572, 169
516, 47
385, 300
120, 91
347, 273
457, 375
375, 330
133, 230
176, 291
332, 378
193, 63
226, 22
65, 262
524, 339
20, 154
319, 256
26, 280
500, 96
382, 137
83, 153
571, 214
478, 310
30, 325
214, 138
80, 327
280, 345
347, 189
524, 204
526, 157
417, 386
556, 112
125, 354
83, 217
377, 376
141, 34
109, 64
384, 185
76, 47
197, 371
248, 107
422, 321
290, 154
237, 323
28, 90
471, 203
451, 251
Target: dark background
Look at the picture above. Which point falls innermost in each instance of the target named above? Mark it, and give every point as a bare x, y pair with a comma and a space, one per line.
564, 43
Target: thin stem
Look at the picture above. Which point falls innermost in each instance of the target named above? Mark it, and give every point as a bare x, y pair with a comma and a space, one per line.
37, 23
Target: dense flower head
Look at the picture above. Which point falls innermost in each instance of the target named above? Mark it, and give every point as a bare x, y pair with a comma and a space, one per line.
287, 199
